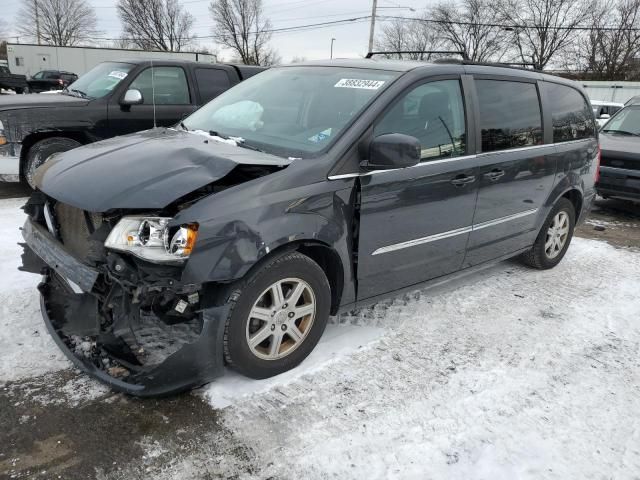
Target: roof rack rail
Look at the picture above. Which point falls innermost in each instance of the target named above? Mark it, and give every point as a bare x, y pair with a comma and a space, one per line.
514, 65
464, 60
427, 52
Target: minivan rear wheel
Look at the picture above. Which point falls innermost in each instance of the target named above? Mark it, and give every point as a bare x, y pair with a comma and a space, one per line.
277, 317
554, 238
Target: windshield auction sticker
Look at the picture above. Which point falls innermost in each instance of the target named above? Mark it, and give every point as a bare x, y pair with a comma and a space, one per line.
359, 83
119, 75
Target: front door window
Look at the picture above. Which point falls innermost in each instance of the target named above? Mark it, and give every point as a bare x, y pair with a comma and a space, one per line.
434, 114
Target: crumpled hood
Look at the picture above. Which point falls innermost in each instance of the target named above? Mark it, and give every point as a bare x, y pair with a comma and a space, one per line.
146, 170
34, 100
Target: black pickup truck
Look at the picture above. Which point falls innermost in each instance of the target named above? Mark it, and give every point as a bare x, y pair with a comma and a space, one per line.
114, 98
10, 81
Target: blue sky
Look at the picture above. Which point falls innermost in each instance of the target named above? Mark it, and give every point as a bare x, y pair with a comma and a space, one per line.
351, 39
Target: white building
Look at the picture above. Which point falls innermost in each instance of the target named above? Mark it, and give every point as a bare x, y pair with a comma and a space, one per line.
28, 59
618, 92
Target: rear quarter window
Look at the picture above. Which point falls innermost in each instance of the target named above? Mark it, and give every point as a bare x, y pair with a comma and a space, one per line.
570, 113
509, 114
211, 82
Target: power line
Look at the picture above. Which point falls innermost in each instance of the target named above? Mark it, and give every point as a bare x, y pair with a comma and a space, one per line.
506, 26
310, 26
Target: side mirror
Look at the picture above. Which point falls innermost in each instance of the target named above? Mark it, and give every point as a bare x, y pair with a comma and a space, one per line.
393, 150
605, 116
132, 97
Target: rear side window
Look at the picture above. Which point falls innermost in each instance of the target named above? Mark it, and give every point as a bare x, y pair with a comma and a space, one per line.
509, 114
211, 82
571, 116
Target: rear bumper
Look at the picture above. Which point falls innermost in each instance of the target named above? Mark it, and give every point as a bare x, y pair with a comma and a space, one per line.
619, 182
105, 345
10, 162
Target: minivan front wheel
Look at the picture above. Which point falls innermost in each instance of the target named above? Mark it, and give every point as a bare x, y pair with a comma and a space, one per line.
554, 238
278, 317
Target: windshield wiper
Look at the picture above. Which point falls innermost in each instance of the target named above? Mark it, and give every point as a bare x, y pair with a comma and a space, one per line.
621, 132
184, 127
240, 142
79, 93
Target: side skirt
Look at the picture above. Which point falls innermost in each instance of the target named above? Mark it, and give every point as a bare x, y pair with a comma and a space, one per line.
434, 282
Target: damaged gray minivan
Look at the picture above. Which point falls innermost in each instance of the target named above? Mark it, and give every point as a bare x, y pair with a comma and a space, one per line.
303, 192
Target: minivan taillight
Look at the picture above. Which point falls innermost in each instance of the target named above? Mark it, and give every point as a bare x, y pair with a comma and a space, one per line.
598, 160
60, 81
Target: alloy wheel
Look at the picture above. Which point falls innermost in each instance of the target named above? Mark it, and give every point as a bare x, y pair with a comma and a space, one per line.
557, 235
281, 319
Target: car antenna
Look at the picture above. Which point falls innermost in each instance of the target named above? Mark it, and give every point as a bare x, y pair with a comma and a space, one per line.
153, 94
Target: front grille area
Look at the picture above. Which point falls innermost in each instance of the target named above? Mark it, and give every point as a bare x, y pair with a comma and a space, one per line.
626, 163
75, 227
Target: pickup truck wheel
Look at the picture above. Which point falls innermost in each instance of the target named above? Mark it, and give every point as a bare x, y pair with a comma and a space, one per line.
277, 317
554, 237
42, 151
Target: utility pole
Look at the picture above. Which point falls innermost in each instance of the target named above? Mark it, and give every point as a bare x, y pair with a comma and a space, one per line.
35, 5
332, 40
373, 24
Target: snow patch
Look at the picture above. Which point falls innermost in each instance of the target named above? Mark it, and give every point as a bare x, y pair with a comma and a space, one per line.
26, 347
336, 343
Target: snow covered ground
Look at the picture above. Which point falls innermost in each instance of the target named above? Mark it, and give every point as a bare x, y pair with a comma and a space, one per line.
507, 373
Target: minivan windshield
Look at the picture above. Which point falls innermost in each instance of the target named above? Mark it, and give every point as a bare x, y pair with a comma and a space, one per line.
291, 111
100, 80
625, 122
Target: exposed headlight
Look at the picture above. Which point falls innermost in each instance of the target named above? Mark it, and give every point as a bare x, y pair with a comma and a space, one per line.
150, 238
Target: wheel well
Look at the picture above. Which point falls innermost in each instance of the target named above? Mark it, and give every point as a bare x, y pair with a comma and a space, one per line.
32, 139
331, 264
575, 197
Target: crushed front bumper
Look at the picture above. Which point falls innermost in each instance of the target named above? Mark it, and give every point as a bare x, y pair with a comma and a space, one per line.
79, 313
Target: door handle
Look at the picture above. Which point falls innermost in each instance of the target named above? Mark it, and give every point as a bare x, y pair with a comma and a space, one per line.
462, 180
494, 174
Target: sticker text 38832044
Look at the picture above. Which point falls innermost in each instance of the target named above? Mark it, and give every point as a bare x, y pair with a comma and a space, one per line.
359, 83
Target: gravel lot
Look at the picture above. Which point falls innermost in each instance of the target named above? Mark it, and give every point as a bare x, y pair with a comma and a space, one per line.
507, 373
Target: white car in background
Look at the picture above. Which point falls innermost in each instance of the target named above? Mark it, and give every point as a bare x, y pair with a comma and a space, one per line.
604, 110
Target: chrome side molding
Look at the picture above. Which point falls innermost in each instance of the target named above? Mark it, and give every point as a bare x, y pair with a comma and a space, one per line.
452, 233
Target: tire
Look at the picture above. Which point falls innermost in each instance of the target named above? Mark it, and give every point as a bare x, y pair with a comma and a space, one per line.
41, 151
297, 274
19, 91
546, 252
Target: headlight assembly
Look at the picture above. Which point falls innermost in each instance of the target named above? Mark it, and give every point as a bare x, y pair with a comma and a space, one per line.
151, 238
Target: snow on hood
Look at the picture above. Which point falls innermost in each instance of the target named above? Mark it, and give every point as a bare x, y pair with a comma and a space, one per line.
146, 170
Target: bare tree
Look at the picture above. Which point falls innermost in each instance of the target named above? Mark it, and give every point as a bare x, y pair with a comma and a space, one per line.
3, 29
156, 24
607, 51
408, 35
468, 26
541, 29
61, 22
240, 25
